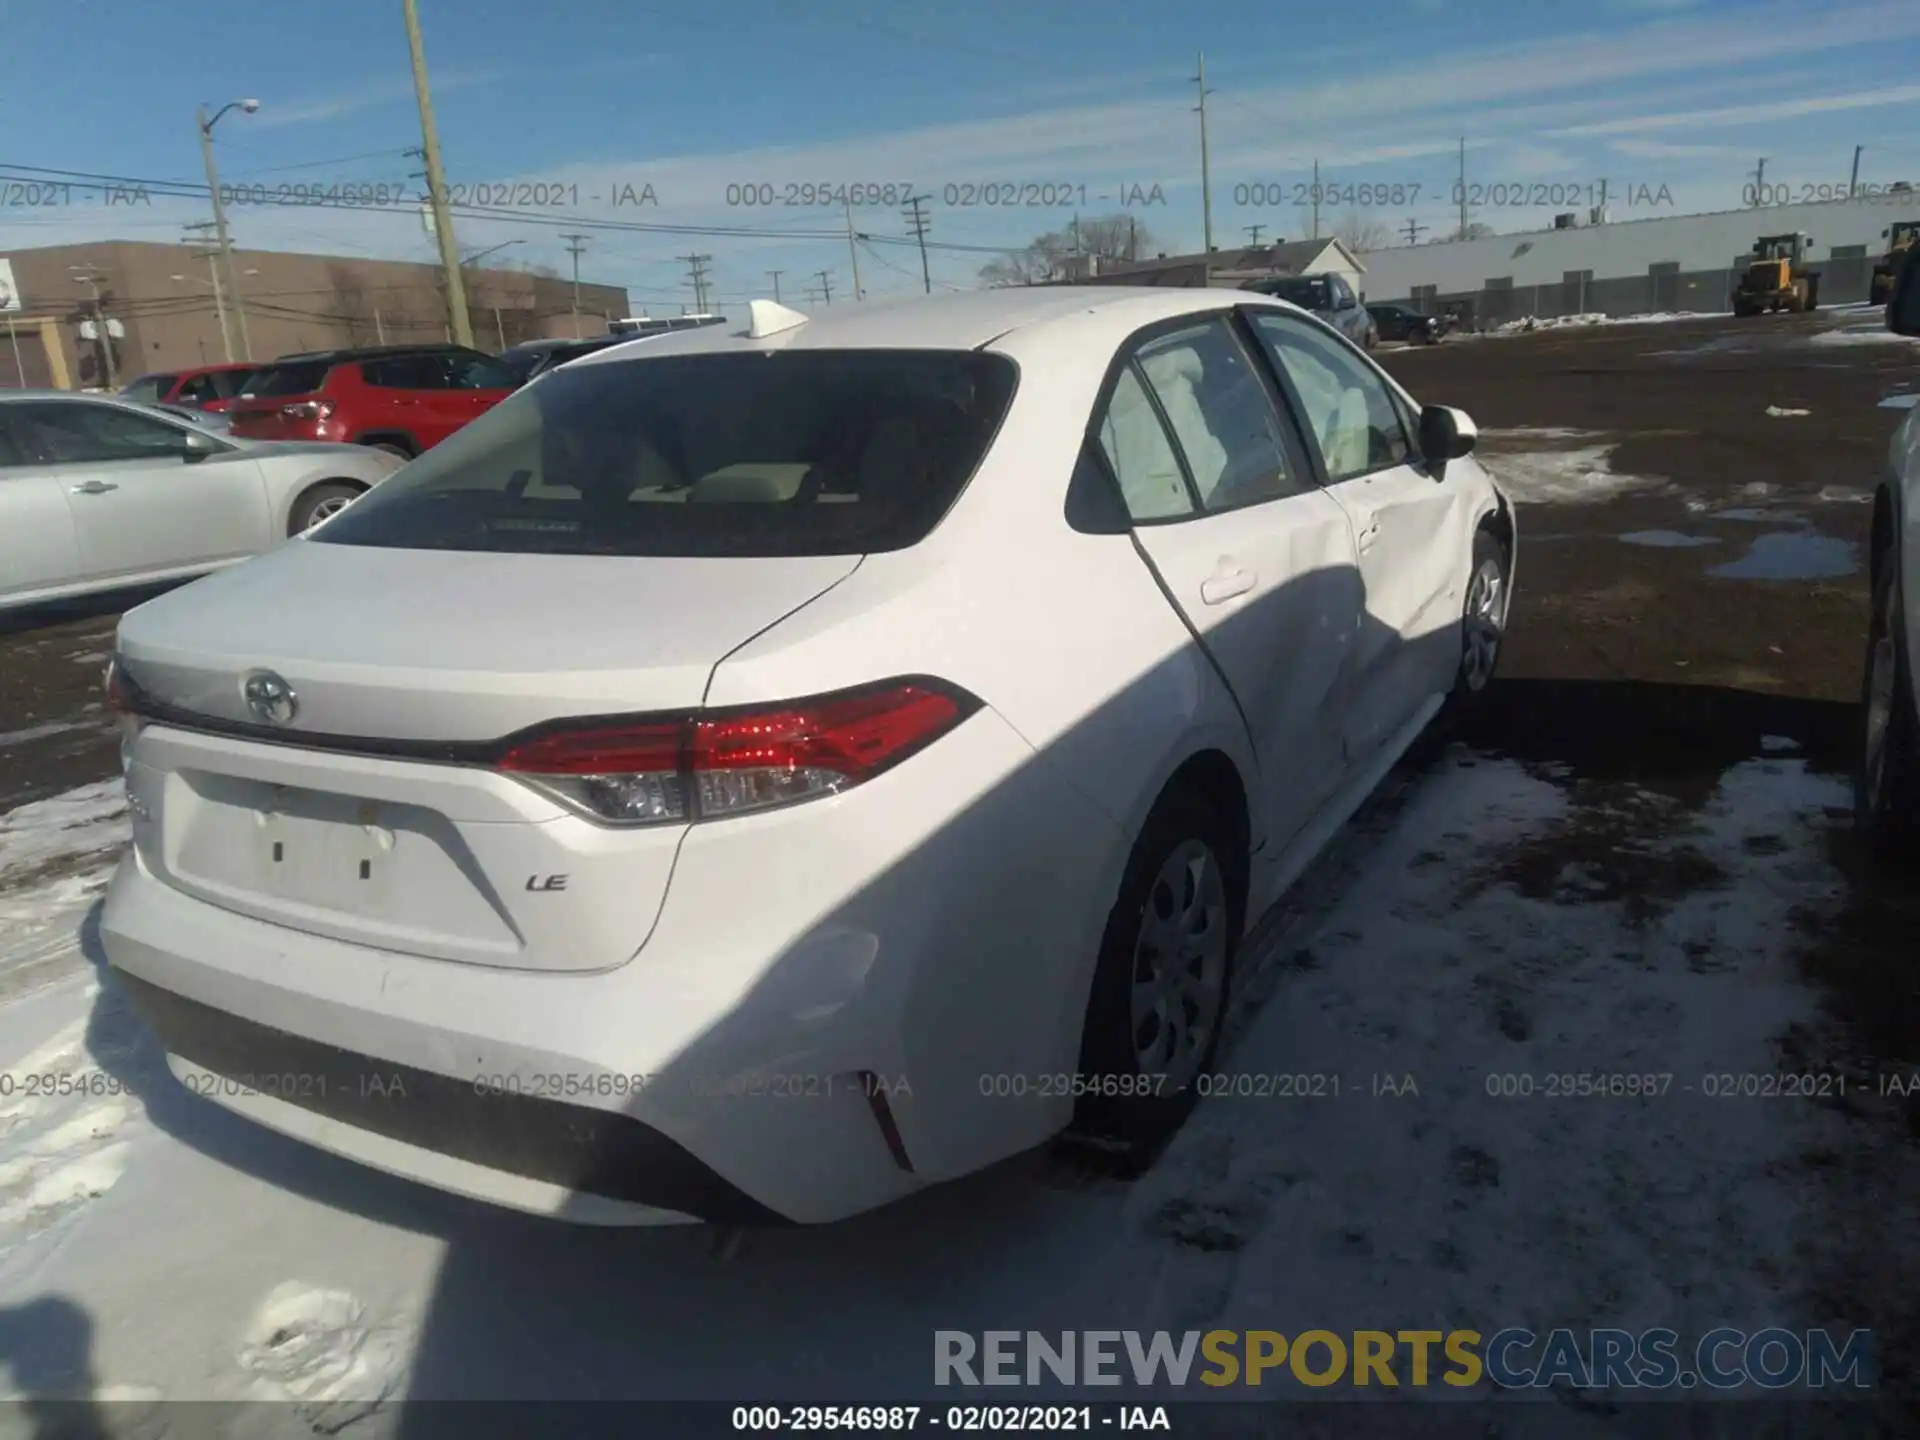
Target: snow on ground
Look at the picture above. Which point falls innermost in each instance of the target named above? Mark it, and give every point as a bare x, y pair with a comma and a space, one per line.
1485, 920
1565, 322
1581, 475
1861, 335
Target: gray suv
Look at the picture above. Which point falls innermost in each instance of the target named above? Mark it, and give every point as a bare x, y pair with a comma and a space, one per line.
1327, 296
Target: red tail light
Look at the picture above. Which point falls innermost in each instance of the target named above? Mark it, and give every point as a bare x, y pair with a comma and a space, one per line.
732, 762
308, 410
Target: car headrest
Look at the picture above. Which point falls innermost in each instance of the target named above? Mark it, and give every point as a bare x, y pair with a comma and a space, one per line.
749, 484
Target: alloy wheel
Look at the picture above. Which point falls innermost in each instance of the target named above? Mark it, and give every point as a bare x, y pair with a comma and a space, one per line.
1180, 965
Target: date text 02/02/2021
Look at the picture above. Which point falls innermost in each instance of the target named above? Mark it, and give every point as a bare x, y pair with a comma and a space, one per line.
932, 1419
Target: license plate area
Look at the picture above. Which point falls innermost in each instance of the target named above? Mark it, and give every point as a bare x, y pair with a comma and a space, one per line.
390, 873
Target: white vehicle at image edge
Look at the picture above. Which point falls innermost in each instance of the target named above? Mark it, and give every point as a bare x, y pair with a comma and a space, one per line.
100, 494
753, 774
1887, 780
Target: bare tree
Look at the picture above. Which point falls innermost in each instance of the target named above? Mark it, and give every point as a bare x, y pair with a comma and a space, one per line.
1050, 256
351, 304
1360, 234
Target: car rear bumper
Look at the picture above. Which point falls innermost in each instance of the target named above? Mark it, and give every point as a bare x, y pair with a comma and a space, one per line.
813, 1028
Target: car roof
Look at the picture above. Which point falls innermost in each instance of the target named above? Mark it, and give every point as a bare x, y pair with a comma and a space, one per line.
561, 342
968, 320
365, 352
15, 397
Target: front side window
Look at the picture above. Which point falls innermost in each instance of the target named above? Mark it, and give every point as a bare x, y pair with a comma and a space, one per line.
803, 452
197, 391
1349, 408
148, 389
1221, 415
73, 432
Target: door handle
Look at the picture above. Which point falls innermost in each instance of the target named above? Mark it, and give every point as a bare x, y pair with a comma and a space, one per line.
92, 487
1367, 536
1225, 583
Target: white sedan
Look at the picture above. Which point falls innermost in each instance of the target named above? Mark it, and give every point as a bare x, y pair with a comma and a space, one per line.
102, 494
754, 774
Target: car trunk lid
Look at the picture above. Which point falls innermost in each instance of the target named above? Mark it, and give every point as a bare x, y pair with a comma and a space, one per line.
371, 814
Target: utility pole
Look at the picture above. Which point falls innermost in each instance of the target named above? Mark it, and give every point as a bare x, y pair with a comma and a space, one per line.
461, 322
1206, 168
696, 268
1253, 233
205, 126
917, 226
575, 244
211, 254
1853, 184
826, 285
91, 278
1760, 182
1414, 227
1316, 199
1133, 238
1463, 187
776, 274
853, 255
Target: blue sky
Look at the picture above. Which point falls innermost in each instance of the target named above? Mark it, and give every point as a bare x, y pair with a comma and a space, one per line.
596, 98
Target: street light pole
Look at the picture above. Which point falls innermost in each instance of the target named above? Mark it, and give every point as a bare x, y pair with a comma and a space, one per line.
225, 240
457, 315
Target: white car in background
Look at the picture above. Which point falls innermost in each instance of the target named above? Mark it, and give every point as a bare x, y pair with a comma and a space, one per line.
754, 774
100, 494
1887, 782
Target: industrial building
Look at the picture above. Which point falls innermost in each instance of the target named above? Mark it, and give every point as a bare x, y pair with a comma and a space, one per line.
1636, 267
1226, 267
94, 315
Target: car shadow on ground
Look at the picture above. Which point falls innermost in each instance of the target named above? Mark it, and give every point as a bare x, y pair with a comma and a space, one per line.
526, 1308
45, 616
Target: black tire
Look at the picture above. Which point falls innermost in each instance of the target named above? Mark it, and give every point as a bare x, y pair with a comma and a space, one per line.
1490, 560
1886, 780
321, 498
1140, 1123
392, 448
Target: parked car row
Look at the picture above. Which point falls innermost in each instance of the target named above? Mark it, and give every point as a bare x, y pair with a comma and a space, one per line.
698, 780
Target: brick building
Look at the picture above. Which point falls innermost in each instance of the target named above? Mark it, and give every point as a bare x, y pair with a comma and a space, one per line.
159, 304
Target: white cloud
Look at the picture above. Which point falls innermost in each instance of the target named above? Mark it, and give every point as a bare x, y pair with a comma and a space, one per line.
371, 96
1736, 115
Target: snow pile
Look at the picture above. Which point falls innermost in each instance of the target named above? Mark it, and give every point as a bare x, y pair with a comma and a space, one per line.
65, 832
1563, 322
1850, 336
1779, 412
1580, 476
318, 1348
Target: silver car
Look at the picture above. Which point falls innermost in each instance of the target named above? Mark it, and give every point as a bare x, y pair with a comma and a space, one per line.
97, 493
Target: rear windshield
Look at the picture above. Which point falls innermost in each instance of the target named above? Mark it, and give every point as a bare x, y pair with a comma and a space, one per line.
298, 379
801, 452
1307, 294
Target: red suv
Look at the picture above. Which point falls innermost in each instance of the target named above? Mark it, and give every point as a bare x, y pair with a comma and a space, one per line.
401, 398
205, 387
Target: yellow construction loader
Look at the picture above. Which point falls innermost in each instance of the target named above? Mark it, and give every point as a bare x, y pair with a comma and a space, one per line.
1778, 278
1899, 237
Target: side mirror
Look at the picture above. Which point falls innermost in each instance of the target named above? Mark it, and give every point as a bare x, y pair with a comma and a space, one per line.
1903, 306
197, 445
1446, 434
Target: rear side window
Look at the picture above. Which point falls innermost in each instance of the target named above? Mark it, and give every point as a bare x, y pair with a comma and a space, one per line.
803, 452
406, 372
229, 383
298, 379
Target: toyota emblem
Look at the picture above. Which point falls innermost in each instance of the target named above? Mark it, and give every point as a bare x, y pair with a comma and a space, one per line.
270, 699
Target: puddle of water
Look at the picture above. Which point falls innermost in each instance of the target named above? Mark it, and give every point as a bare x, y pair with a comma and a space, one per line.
1792, 555
1753, 515
1669, 539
